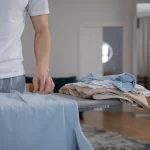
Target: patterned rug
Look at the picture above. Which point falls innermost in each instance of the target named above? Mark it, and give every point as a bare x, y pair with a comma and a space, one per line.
103, 140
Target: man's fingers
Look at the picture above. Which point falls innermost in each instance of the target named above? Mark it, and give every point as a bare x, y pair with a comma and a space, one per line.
42, 84
47, 88
53, 86
48, 85
35, 84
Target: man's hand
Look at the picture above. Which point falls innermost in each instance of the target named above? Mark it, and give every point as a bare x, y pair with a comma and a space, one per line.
42, 81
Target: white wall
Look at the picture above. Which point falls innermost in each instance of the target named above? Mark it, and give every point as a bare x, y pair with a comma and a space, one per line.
65, 20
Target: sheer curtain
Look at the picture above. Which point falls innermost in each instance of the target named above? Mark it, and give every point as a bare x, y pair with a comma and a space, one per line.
144, 47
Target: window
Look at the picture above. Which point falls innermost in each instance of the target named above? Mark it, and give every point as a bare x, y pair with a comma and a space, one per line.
107, 52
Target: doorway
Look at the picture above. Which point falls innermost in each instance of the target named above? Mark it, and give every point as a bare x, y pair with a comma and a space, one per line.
91, 50
112, 50
101, 50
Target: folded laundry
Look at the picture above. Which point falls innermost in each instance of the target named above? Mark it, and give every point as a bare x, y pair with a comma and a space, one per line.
141, 90
133, 99
109, 85
39, 122
84, 92
137, 100
107, 95
125, 82
94, 84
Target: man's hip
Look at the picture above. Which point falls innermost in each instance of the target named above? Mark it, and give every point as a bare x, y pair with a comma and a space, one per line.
13, 84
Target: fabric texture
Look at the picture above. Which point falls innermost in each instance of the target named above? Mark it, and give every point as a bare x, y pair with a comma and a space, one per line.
109, 85
95, 84
13, 84
39, 122
37, 7
32, 121
84, 92
141, 90
12, 23
124, 82
129, 98
137, 100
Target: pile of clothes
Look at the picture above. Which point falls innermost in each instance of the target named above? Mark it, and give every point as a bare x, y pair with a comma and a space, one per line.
122, 87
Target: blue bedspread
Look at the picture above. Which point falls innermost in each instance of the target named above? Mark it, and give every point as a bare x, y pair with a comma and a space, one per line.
125, 82
37, 122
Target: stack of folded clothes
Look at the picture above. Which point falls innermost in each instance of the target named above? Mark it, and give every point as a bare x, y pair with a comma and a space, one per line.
122, 87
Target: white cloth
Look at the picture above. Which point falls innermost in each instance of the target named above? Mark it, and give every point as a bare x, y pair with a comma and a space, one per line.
95, 84
108, 85
141, 90
12, 22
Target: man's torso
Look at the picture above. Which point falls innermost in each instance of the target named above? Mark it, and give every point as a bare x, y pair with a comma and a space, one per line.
12, 22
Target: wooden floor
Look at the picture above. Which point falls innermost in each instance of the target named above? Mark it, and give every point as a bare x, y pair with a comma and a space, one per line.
122, 123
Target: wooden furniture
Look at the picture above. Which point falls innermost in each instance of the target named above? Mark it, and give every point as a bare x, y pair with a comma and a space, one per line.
108, 73
143, 80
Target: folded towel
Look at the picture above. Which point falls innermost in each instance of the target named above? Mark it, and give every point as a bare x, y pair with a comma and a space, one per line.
124, 82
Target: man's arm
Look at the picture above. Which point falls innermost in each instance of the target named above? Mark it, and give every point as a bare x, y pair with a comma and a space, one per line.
42, 46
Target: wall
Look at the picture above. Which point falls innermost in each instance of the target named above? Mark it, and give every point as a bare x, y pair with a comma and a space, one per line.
65, 20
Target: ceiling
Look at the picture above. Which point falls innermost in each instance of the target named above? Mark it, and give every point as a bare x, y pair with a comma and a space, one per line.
143, 9
143, 1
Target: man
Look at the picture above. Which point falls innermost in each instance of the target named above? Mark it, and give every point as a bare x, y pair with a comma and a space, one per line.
12, 22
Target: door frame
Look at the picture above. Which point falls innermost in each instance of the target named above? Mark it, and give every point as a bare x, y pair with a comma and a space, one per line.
81, 60
125, 53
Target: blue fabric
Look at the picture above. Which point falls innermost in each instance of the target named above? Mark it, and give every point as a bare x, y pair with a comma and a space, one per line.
39, 122
125, 82
14, 83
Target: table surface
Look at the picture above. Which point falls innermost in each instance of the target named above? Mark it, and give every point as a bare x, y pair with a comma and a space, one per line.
90, 104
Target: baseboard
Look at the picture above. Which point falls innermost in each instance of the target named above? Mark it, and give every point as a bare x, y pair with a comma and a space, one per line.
142, 115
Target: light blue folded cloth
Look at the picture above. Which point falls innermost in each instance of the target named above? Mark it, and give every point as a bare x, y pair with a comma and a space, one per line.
40, 122
125, 82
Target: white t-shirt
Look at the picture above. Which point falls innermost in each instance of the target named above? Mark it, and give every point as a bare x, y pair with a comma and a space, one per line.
12, 22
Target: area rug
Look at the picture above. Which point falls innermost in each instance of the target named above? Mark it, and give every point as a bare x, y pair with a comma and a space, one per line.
103, 140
